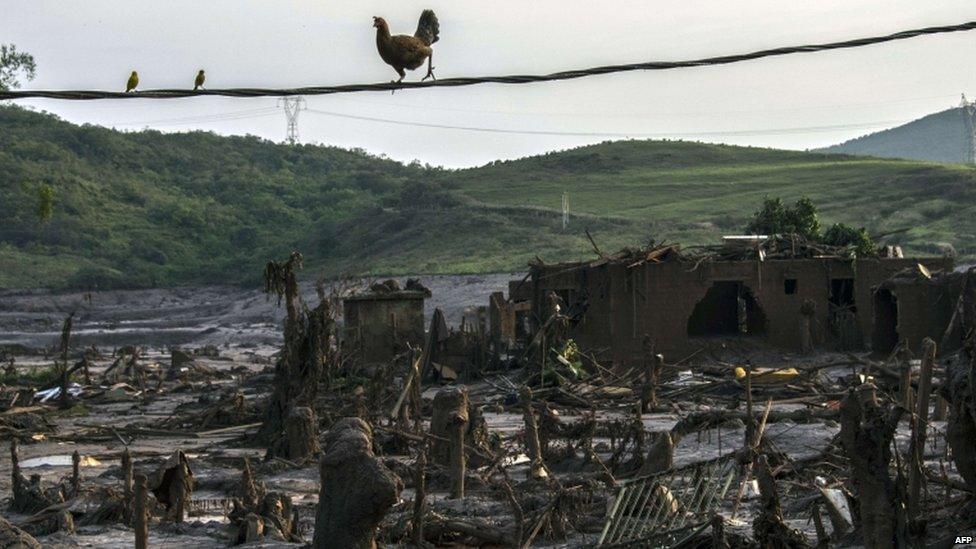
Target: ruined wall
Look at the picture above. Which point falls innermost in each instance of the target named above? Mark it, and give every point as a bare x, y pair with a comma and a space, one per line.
378, 326
923, 308
658, 299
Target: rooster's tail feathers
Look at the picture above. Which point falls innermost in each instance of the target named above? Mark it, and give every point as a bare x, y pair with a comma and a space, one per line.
428, 29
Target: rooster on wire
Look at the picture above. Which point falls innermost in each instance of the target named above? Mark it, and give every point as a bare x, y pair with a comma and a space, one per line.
408, 52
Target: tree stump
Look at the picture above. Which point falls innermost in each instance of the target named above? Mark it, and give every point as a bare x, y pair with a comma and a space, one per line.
866, 431
960, 391
450, 405
15, 538
660, 457
173, 485
357, 490
298, 441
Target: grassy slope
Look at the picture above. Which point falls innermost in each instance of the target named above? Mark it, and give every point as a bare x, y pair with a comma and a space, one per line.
146, 208
692, 192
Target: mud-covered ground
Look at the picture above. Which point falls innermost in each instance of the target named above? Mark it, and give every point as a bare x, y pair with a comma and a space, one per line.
194, 316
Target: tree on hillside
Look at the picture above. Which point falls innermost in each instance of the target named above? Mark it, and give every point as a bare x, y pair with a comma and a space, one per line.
12, 63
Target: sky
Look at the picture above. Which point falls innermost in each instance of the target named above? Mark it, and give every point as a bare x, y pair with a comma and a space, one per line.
794, 102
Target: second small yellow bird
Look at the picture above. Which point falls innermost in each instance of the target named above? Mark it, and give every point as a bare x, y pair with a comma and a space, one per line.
133, 82
198, 83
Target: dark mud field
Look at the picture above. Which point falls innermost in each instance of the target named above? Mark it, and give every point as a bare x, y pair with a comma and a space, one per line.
696, 463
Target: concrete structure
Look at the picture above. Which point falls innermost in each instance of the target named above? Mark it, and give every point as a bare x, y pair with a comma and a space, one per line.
681, 302
380, 325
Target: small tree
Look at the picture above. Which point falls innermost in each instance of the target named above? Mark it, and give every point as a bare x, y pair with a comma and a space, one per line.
13, 62
776, 218
840, 234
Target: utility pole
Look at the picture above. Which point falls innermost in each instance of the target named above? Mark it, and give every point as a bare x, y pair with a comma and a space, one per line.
969, 114
292, 106
565, 210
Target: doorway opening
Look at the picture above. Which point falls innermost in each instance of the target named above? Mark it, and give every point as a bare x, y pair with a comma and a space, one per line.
727, 309
885, 336
842, 315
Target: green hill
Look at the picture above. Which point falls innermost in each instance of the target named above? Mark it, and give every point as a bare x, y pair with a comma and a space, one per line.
939, 137
145, 208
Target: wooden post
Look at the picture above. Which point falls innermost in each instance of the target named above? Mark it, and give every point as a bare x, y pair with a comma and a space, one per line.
457, 461
750, 441
420, 479
75, 473
127, 486
919, 429
140, 516
640, 438
905, 370
822, 538
16, 477
532, 446
416, 401
647, 389
718, 532
941, 408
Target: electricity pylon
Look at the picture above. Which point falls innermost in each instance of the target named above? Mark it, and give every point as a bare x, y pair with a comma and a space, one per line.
969, 113
292, 106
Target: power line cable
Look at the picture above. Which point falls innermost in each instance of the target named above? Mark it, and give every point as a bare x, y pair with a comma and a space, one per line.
716, 133
619, 114
194, 119
512, 79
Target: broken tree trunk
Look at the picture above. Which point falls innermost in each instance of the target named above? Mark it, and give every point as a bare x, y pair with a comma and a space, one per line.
769, 526
308, 339
356, 488
173, 485
867, 428
960, 390
75, 473
920, 423
533, 449
653, 364
419, 503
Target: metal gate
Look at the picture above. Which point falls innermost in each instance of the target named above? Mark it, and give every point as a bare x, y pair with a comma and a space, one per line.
656, 510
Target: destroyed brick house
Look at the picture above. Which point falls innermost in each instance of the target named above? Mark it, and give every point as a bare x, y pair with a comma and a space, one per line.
759, 290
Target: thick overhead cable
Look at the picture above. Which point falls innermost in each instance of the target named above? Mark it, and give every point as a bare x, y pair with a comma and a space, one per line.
513, 79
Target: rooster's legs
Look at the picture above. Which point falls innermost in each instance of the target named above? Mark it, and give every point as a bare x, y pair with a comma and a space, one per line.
430, 68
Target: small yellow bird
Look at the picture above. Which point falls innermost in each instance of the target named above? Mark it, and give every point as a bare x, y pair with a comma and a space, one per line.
198, 83
133, 82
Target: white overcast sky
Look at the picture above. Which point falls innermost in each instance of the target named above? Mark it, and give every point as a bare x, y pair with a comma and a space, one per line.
791, 102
